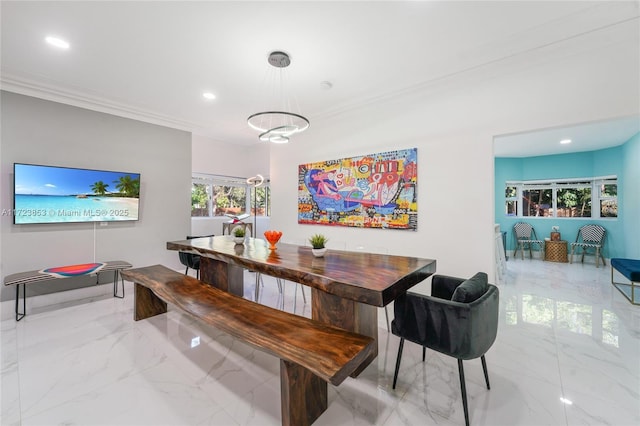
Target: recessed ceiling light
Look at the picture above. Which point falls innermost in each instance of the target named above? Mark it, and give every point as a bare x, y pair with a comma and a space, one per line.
57, 42
565, 141
209, 96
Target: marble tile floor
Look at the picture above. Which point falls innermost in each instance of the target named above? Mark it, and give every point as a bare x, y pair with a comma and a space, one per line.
567, 353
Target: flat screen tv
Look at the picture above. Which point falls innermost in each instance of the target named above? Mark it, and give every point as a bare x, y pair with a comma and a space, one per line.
49, 194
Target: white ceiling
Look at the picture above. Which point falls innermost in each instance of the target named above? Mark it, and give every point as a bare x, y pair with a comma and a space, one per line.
153, 60
584, 137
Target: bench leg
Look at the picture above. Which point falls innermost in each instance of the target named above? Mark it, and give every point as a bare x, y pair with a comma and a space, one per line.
116, 274
631, 286
303, 395
147, 304
20, 315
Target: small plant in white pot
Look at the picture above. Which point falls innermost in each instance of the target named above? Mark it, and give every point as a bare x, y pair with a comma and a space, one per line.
318, 242
238, 235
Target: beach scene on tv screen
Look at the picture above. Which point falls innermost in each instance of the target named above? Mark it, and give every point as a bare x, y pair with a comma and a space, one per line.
47, 194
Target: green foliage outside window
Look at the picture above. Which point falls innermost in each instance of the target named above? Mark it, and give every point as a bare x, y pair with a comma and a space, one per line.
199, 200
221, 195
586, 197
574, 202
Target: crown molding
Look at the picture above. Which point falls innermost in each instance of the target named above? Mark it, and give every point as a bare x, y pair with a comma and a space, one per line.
67, 96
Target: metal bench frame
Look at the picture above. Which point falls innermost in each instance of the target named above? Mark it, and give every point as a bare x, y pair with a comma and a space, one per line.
21, 279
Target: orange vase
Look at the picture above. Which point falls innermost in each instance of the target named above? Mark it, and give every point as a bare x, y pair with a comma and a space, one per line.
272, 237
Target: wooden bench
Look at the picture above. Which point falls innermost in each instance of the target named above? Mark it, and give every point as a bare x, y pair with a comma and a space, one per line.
311, 353
630, 268
61, 272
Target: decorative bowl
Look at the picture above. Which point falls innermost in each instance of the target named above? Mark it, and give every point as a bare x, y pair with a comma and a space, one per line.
272, 238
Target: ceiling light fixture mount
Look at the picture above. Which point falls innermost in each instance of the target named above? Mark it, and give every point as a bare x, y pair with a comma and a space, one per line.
278, 125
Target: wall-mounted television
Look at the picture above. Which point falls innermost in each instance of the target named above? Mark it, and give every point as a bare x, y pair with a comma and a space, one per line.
50, 194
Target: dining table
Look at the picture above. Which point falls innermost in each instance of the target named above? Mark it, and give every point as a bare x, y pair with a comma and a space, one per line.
347, 287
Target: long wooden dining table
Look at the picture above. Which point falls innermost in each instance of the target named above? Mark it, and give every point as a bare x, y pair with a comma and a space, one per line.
347, 287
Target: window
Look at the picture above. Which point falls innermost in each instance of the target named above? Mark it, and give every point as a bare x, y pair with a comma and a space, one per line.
608, 190
537, 201
213, 195
511, 197
563, 198
260, 197
574, 199
200, 205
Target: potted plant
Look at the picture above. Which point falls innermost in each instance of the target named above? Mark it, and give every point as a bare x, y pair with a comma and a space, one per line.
318, 242
238, 235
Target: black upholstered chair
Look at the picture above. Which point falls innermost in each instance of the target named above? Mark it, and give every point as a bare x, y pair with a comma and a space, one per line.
459, 319
190, 260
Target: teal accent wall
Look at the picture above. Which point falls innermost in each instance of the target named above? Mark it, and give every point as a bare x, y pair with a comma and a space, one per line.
617, 161
630, 209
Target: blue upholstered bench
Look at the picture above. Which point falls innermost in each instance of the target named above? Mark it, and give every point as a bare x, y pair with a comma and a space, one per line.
630, 268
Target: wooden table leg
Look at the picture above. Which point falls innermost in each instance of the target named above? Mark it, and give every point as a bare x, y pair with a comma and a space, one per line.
146, 303
222, 275
303, 395
349, 315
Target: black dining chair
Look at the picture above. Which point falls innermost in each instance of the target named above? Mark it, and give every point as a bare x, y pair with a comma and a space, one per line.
190, 260
459, 319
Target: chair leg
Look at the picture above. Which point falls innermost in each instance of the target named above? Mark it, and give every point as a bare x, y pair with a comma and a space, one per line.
295, 294
424, 352
186, 271
463, 388
484, 368
395, 375
386, 315
257, 285
573, 249
597, 257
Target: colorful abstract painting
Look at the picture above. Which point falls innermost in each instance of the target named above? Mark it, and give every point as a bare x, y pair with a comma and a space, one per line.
371, 191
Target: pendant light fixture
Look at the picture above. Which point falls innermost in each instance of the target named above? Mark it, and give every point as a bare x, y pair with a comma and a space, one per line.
279, 124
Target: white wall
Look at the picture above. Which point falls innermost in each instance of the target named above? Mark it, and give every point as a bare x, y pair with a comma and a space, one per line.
43, 132
453, 128
219, 158
630, 207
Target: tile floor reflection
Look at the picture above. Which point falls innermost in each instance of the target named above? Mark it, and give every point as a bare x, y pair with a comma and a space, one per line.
567, 353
